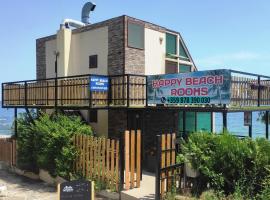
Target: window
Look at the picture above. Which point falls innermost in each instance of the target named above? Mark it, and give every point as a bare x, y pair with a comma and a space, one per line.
171, 67
135, 35
93, 116
204, 121
184, 68
182, 53
93, 61
170, 44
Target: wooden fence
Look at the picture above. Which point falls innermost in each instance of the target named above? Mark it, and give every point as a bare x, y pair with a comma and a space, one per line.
100, 159
8, 153
168, 173
132, 159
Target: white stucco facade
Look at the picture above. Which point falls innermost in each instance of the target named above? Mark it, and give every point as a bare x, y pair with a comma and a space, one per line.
74, 51
155, 50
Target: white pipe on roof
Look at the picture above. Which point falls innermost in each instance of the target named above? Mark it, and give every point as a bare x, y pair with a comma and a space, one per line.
73, 23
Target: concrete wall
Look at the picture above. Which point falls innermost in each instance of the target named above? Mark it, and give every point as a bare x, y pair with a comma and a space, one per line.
155, 50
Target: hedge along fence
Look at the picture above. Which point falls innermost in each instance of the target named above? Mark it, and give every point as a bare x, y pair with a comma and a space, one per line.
100, 159
8, 152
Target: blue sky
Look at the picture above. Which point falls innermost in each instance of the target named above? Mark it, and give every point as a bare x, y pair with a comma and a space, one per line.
219, 34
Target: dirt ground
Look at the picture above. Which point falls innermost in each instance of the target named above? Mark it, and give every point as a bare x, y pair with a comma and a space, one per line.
22, 188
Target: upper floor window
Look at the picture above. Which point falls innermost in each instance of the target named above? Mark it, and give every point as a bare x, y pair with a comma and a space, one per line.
171, 44
182, 53
93, 61
171, 67
135, 35
184, 68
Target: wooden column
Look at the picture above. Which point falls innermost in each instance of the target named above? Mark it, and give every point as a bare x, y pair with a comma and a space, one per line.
224, 113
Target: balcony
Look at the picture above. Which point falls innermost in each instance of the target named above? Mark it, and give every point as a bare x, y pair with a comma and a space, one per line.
74, 91
247, 91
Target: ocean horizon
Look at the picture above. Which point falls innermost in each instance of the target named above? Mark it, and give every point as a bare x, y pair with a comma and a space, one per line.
235, 123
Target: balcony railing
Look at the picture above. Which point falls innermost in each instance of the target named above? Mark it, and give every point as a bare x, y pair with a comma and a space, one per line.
74, 91
246, 89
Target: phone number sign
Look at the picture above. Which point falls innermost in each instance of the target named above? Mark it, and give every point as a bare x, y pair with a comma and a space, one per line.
202, 87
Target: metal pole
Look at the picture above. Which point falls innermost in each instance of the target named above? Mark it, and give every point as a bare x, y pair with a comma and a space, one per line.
267, 124
259, 91
15, 123
184, 124
224, 120
250, 128
158, 166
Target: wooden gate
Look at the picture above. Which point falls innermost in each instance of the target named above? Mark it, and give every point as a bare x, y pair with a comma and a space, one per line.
8, 151
168, 173
115, 162
132, 159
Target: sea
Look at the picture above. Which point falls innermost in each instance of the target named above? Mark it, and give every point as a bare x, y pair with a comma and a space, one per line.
235, 123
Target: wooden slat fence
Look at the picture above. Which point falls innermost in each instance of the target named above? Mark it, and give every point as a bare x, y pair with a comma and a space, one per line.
8, 152
132, 158
168, 173
100, 159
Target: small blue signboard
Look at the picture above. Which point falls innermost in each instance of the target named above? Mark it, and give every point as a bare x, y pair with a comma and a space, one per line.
99, 83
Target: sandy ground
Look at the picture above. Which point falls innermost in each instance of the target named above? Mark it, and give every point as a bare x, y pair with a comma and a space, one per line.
22, 188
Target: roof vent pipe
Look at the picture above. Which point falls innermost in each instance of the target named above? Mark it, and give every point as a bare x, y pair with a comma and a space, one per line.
73, 23
87, 8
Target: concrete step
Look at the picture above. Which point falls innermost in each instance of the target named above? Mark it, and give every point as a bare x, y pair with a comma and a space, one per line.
145, 192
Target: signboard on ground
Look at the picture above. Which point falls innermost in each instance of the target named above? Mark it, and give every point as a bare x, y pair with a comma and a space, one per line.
76, 190
201, 87
99, 83
247, 118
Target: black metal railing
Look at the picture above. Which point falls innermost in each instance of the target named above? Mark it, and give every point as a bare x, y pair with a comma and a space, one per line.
74, 91
128, 90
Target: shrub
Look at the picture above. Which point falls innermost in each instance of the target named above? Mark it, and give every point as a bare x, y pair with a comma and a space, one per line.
51, 145
226, 163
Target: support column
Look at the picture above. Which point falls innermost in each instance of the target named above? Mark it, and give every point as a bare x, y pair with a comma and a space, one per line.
224, 114
250, 127
15, 122
184, 124
267, 125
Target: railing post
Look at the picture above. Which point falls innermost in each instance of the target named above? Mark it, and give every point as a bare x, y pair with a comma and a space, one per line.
128, 90
25, 93
15, 123
259, 91
224, 119
90, 92
3, 98
55, 93
146, 93
158, 166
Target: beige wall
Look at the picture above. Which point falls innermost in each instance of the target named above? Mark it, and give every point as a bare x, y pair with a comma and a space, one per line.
77, 50
155, 50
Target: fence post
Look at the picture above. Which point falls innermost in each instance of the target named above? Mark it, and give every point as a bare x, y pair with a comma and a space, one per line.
121, 162
158, 147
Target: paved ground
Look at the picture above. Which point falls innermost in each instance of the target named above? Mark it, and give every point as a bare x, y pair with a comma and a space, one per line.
21, 188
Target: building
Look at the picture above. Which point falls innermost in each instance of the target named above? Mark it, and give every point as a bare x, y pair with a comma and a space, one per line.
122, 45
125, 51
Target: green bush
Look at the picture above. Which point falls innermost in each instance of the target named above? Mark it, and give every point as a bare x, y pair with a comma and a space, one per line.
49, 142
228, 164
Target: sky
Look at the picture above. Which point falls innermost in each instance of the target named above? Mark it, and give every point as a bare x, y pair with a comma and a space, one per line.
219, 34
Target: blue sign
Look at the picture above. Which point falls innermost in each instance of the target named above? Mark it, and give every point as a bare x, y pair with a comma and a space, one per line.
99, 83
201, 87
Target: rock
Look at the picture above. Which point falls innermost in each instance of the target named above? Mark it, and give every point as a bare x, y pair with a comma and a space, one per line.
3, 191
